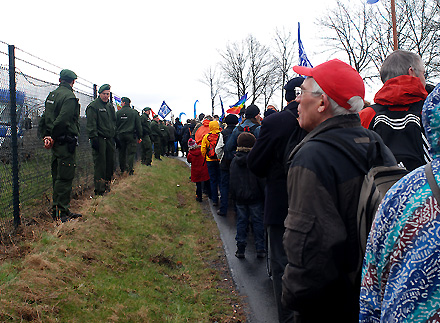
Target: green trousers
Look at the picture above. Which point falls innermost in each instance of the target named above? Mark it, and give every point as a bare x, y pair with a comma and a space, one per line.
157, 147
147, 150
127, 151
103, 159
63, 172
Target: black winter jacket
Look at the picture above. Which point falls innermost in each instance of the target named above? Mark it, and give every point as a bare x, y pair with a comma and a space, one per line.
244, 186
266, 159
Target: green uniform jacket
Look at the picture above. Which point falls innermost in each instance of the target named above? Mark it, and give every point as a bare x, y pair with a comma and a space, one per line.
164, 132
146, 125
61, 113
101, 119
128, 121
156, 134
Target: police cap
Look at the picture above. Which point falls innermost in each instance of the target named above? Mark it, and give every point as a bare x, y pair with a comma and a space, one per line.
104, 87
67, 75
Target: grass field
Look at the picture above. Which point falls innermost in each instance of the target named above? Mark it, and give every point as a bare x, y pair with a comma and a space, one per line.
145, 252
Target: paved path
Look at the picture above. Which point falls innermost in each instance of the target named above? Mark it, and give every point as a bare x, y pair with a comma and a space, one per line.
249, 274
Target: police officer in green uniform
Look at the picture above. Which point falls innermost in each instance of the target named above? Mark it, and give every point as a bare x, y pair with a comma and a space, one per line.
164, 137
147, 148
101, 126
128, 134
59, 127
156, 136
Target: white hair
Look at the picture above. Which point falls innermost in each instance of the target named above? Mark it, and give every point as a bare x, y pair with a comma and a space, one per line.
356, 103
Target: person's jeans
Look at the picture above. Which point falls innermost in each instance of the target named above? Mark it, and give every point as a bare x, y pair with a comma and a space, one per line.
214, 179
224, 191
255, 212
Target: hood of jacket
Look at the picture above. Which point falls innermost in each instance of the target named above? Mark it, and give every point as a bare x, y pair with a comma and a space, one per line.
241, 157
195, 151
431, 121
401, 90
214, 127
206, 122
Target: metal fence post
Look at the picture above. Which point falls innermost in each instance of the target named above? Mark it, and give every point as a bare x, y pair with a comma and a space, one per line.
95, 91
14, 141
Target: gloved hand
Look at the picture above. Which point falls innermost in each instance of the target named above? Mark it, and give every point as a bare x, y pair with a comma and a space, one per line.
95, 143
48, 142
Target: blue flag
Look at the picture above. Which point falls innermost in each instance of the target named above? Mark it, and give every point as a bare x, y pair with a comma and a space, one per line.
164, 110
303, 60
223, 110
372, 1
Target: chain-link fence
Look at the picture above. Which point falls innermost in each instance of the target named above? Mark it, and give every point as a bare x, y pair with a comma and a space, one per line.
34, 180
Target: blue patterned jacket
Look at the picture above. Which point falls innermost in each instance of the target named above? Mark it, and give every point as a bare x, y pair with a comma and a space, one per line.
401, 272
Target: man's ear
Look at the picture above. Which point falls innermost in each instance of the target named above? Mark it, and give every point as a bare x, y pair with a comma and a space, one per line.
325, 104
411, 71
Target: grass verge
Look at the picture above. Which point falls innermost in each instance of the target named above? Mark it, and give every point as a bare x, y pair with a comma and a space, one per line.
146, 252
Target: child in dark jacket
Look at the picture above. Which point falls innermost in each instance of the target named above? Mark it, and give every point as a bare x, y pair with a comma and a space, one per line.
248, 192
199, 169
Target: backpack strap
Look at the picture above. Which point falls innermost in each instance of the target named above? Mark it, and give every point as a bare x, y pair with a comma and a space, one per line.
432, 182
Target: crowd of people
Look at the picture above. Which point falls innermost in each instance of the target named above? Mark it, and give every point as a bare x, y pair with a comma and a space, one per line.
295, 177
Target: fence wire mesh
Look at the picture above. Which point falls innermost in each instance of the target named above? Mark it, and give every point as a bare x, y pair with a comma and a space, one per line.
35, 181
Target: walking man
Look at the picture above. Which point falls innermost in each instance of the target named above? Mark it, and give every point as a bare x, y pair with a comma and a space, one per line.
128, 135
59, 128
101, 126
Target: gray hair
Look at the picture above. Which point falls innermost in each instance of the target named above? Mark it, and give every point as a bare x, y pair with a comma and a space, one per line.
398, 63
356, 102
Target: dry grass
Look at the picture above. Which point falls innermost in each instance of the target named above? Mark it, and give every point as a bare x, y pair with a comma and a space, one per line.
143, 253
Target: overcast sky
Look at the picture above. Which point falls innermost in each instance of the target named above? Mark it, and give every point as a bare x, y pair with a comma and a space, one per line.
153, 51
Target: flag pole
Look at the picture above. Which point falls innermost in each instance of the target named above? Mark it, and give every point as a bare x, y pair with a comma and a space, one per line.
393, 18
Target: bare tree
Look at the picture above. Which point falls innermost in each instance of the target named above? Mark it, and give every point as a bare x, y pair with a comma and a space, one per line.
419, 30
284, 57
212, 78
350, 28
271, 85
364, 33
235, 70
261, 67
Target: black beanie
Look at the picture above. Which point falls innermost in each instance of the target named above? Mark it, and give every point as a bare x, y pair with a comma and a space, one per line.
231, 119
251, 111
246, 139
290, 86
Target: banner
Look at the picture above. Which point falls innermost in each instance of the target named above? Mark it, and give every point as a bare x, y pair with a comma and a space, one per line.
223, 110
195, 113
235, 109
164, 110
303, 60
118, 102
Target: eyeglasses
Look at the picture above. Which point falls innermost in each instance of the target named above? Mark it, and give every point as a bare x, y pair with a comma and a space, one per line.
299, 91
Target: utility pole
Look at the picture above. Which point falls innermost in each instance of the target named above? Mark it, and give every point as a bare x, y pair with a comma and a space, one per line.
393, 18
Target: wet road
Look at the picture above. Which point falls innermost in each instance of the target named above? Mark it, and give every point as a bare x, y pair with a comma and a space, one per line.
249, 274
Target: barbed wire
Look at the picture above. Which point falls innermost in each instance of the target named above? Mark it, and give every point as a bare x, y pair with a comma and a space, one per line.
42, 68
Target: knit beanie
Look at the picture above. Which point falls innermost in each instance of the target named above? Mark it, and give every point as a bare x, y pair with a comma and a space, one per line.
251, 111
290, 86
246, 139
192, 143
231, 119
